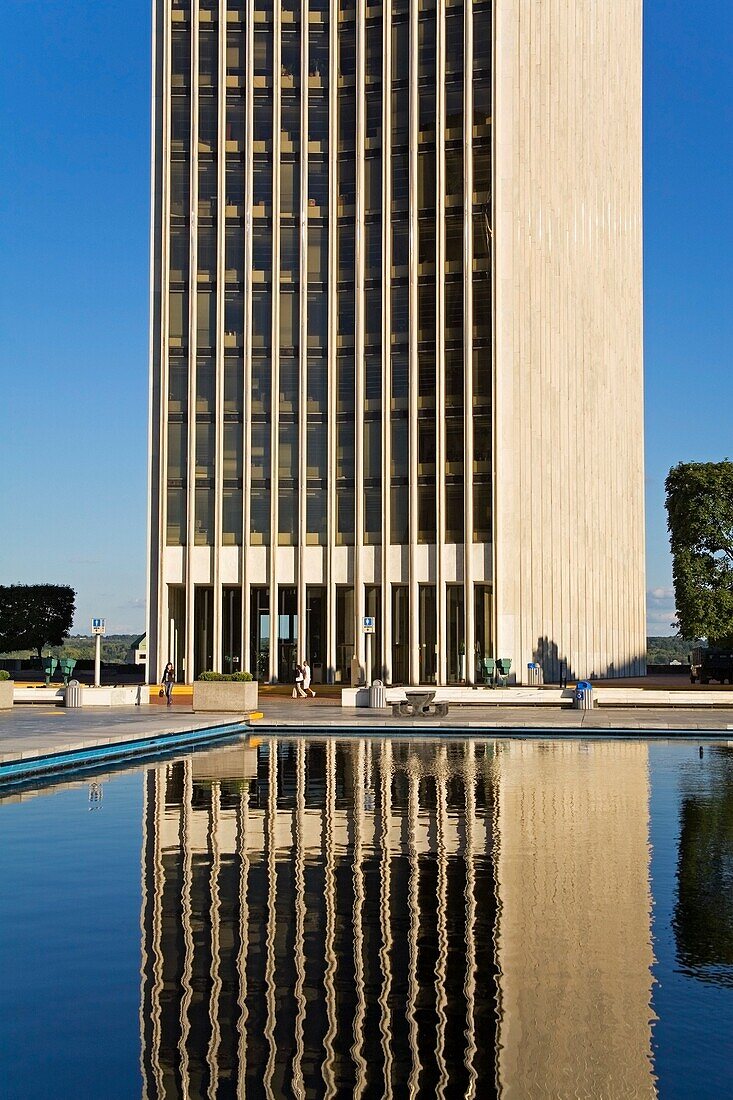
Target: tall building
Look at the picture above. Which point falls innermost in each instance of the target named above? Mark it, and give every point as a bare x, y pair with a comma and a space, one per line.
396, 362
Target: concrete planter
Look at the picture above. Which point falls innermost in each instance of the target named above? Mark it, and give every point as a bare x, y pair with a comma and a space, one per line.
225, 696
6, 694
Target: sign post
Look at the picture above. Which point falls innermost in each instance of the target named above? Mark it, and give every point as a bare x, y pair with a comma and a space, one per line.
369, 625
98, 629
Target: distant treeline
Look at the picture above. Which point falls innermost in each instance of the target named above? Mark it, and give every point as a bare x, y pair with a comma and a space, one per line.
662, 651
80, 647
115, 648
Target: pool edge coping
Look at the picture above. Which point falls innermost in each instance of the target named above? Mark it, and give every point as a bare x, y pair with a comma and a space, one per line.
31, 764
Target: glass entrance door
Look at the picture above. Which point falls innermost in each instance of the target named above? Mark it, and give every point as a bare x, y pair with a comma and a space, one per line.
231, 629
287, 633
456, 669
428, 633
203, 625
315, 632
259, 636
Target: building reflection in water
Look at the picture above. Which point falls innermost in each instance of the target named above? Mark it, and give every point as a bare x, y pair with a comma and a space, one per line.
375, 918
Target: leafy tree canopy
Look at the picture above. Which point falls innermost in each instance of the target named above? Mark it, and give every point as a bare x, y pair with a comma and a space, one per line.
35, 615
700, 522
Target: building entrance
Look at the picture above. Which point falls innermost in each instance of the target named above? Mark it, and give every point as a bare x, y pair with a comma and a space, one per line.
456, 652
231, 630
315, 632
203, 624
428, 625
287, 633
259, 634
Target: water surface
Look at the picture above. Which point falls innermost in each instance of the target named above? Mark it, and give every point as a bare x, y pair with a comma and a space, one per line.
374, 918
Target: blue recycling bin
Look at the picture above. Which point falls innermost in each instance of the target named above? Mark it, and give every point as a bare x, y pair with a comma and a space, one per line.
583, 695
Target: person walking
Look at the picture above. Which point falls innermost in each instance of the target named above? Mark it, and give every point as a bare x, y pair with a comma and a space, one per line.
299, 693
307, 679
169, 679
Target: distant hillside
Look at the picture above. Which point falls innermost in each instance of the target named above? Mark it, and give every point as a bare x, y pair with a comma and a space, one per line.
80, 647
662, 651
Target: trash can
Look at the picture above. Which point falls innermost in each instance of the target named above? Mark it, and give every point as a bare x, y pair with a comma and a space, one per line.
583, 697
73, 694
377, 697
534, 674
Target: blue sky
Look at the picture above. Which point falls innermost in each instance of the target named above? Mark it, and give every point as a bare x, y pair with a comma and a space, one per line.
74, 188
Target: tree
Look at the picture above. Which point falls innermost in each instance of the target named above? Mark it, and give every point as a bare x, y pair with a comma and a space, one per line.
35, 615
700, 523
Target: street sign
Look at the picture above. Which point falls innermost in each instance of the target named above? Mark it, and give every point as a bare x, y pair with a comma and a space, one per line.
98, 626
370, 625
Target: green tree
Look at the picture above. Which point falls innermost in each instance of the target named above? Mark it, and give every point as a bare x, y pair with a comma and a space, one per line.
35, 615
700, 522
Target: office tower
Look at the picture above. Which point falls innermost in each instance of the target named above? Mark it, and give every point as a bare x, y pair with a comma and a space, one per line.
396, 364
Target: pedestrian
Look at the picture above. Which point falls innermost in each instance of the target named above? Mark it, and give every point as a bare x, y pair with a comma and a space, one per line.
169, 679
307, 679
298, 690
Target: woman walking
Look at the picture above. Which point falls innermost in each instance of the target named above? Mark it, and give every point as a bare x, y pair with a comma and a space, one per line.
169, 679
298, 691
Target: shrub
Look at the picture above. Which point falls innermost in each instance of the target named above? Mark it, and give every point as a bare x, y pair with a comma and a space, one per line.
4, 675
232, 677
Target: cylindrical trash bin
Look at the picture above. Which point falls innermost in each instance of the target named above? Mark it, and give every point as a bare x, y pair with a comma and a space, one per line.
583, 696
377, 697
73, 694
534, 674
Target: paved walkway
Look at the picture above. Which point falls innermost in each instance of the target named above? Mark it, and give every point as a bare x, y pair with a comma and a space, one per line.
34, 730
325, 714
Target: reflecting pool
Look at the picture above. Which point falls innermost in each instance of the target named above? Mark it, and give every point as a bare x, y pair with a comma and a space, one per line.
366, 917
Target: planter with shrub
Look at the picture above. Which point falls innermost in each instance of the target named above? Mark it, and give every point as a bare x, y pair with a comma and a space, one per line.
234, 692
6, 690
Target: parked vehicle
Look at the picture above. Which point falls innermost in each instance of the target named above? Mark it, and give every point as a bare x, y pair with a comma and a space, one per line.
711, 664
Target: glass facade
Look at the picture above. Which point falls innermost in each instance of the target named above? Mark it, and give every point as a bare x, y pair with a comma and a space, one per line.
325, 329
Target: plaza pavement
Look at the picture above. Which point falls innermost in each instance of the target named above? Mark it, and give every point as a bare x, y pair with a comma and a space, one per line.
33, 730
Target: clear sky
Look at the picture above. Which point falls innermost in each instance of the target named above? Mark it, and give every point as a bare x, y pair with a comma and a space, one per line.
74, 215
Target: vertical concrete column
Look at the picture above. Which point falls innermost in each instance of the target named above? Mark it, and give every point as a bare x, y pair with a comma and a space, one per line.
500, 148
248, 232
275, 388
468, 571
332, 379
386, 590
157, 606
221, 103
192, 337
359, 322
440, 594
303, 336
414, 662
